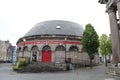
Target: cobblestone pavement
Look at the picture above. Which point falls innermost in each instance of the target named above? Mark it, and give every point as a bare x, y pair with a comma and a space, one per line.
97, 73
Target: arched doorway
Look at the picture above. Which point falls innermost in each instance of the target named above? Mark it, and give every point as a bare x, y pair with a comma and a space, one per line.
25, 51
46, 54
19, 51
34, 52
73, 54
60, 54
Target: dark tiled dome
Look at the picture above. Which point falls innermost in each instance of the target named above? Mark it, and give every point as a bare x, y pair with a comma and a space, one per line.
56, 27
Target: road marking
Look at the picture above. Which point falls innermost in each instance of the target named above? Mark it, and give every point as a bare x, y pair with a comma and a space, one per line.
109, 79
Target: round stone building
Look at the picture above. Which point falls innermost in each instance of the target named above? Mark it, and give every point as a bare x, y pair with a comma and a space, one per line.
54, 41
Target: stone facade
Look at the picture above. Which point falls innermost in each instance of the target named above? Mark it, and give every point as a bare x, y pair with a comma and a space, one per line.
112, 6
6, 51
54, 48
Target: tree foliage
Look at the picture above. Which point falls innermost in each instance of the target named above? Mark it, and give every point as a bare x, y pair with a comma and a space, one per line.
109, 46
90, 41
105, 46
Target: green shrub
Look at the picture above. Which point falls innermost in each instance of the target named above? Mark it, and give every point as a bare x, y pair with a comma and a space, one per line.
40, 67
22, 62
16, 67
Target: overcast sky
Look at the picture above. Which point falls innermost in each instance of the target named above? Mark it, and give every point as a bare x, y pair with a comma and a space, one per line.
17, 17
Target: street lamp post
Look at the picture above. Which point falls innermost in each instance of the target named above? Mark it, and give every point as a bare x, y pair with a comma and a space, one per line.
23, 46
65, 50
66, 60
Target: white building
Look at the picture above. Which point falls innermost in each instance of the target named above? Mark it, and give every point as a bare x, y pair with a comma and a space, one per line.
6, 50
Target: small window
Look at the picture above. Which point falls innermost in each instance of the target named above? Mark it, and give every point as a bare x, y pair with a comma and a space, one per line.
60, 48
58, 27
73, 49
46, 48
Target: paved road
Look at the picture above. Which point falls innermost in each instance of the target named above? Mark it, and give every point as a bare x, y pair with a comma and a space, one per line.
97, 73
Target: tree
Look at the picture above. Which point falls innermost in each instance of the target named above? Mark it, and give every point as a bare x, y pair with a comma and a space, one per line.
105, 46
109, 46
90, 42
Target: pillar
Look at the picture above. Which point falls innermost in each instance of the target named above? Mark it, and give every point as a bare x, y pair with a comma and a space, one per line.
118, 7
114, 35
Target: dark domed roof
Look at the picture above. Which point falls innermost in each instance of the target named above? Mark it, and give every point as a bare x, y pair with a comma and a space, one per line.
56, 27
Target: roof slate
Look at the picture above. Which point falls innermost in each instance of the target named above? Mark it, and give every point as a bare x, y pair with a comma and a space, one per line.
50, 28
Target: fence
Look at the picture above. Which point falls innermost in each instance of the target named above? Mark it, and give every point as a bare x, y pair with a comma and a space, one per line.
74, 62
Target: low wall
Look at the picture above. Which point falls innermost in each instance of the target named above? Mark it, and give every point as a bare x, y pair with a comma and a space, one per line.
114, 70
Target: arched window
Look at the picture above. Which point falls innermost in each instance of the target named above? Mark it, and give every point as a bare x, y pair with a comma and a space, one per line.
46, 48
73, 49
34, 48
60, 48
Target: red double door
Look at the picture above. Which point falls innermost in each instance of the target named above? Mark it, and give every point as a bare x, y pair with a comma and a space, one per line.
46, 56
